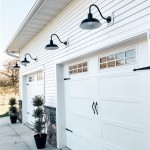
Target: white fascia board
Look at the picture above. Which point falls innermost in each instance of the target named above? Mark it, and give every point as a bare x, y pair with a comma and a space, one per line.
30, 15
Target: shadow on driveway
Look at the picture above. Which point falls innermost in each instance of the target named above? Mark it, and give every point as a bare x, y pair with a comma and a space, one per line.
17, 136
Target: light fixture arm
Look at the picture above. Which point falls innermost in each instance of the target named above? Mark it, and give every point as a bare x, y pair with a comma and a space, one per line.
20, 62
30, 56
108, 19
17, 61
59, 39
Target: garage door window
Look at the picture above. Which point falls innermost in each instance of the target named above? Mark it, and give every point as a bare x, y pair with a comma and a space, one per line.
31, 79
78, 68
39, 77
119, 59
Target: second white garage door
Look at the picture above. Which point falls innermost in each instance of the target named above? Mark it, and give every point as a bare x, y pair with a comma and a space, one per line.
106, 103
35, 87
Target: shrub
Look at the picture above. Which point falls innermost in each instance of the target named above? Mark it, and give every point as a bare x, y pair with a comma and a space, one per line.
12, 108
38, 113
12, 101
38, 101
39, 126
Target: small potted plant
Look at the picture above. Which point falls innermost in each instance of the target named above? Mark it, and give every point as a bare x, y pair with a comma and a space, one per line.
40, 121
13, 110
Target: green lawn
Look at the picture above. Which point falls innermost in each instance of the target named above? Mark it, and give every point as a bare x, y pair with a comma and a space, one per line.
4, 115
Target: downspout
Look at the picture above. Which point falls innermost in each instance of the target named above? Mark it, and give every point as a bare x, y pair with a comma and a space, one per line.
9, 54
148, 38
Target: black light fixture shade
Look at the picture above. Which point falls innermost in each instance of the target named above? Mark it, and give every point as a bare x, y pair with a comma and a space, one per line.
16, 66
25, 61
53, 46
92, 23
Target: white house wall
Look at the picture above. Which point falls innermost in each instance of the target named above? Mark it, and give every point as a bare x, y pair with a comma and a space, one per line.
130, 18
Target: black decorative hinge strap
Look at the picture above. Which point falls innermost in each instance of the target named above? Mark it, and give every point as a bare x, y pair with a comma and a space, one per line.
66, 78
144, 68
69, 130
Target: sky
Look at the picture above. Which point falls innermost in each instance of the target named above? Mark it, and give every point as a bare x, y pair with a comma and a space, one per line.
12, 14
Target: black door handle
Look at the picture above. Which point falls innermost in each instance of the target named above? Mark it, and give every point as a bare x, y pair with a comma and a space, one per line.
96, 108
93, 107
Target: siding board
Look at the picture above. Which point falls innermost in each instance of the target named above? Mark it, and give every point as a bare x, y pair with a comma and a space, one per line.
80, 35
98, 38
130, 17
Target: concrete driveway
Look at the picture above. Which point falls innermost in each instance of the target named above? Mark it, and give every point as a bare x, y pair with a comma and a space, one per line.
17, 137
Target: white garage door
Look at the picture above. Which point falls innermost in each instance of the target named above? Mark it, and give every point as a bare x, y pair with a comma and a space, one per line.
35, 86
106, 103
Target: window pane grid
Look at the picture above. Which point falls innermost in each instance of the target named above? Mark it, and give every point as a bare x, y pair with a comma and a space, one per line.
39, 77
118, 59
78, 68
31, 79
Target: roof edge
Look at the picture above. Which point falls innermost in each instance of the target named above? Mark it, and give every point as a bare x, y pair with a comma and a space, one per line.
29, 16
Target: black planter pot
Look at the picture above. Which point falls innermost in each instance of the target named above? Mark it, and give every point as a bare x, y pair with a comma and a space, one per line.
13, 119
40, 141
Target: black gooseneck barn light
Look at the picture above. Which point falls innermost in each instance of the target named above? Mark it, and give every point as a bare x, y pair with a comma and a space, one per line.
16, 66
53, 46
93, 23
25, 61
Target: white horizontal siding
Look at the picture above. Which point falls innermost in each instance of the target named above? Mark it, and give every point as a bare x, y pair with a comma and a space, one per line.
130, 17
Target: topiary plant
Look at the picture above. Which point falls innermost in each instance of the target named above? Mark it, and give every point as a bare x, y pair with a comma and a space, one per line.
38, 113
12, 101
12, 108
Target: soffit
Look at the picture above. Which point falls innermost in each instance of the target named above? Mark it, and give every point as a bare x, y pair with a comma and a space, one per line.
40, 15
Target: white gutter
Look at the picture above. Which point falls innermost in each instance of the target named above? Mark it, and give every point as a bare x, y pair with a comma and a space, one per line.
15, 56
